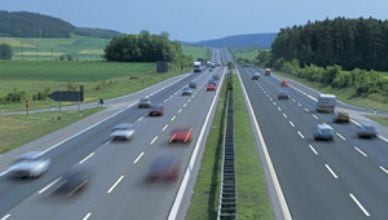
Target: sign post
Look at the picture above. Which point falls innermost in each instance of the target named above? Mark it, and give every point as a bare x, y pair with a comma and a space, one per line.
27, 106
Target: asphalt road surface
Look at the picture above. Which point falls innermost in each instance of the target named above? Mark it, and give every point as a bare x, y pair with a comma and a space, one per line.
343, 179
118, 189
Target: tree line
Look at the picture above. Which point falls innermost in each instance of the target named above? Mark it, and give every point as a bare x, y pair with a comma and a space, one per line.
350, 43
144, 47
27, 24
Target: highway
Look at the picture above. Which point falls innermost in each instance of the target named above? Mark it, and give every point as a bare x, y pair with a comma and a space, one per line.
345, 179
117, 189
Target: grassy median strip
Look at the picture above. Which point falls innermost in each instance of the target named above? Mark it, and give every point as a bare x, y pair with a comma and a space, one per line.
252, 197
204, 200
17, 130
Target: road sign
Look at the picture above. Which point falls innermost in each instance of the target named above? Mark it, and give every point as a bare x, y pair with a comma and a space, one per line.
66, 96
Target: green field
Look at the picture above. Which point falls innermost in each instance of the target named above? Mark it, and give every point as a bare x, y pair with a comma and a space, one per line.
100, 79
34, 126
244, 53
79, 47
196, 52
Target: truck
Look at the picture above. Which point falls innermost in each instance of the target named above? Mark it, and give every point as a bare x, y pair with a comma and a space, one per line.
197, 66
326, 103
267, 72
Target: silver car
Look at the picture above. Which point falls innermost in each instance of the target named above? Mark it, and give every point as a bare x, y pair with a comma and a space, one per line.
29, 165
123, 131
324, 132
144, 103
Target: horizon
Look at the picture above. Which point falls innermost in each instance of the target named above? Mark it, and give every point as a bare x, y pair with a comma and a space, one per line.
193, 21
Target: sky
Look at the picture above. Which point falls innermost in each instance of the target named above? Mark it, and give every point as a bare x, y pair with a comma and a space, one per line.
195, 20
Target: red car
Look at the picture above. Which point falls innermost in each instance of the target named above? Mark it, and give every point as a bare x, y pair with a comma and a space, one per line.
211, 87
284, 83
164, 169
156, 110
184, 135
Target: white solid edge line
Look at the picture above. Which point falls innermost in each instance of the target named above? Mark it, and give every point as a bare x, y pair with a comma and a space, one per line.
313, 149
153, 140
115, 184
360, 151
340, 136
102, 121
85, 130
331, 171
279, 192
6, 217
383, 138
44, 189
300, 134
358, 203
291, 123
179, 196
165, 127
138, 157
87, 216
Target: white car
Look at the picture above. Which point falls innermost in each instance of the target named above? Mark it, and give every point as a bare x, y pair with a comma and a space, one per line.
122, 131
28, 165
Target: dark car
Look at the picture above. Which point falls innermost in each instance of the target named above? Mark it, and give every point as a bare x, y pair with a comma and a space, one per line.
73, 181
367, 130
165, 168
193, 85
213, 82
216, 77
144, 103
256, 76
156, 110
283, 94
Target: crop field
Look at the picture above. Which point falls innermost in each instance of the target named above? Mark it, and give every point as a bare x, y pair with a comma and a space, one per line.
100, 79
79, 47
195, 52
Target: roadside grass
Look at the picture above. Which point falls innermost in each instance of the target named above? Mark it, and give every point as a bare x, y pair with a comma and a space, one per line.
100, 79
34, 126
195, 51
345, 95
382, 120
204, 200
252, 196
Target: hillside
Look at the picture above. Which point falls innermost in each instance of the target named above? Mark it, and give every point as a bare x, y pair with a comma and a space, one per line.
34, 25
262, 41
26, 24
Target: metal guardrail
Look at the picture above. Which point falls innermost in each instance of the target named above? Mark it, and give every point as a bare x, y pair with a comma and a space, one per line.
227, 203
